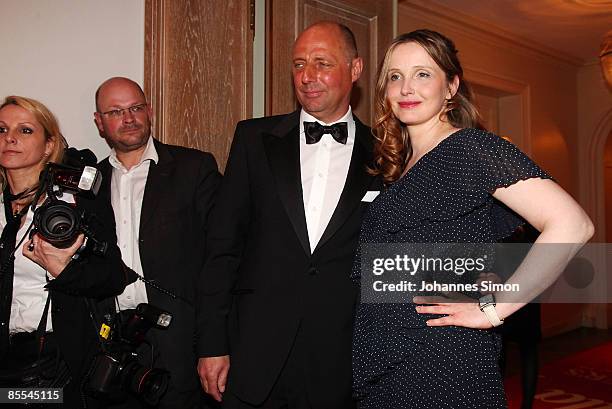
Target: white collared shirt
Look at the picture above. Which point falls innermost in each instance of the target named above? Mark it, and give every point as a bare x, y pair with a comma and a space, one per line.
324, 166
127, 192
29, 294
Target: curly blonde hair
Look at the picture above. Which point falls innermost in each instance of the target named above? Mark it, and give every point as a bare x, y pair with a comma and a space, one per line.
392, 148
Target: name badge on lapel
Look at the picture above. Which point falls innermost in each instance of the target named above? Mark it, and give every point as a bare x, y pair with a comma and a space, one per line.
370, 195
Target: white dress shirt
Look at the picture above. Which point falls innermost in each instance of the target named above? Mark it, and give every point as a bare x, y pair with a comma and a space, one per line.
29, 294
324, 166
127, 191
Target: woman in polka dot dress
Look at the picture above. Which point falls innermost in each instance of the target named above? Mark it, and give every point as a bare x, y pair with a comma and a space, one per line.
447, 182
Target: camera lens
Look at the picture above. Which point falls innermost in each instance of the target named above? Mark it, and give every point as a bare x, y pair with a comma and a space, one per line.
148, 383
58, 223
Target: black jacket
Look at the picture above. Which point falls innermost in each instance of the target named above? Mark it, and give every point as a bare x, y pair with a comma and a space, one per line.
261, 282
178, 196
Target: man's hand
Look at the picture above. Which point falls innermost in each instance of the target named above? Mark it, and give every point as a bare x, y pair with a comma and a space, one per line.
47, 256
213, 375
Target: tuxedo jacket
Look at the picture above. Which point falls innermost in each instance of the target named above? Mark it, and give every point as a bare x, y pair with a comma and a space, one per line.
261, 283
177, 200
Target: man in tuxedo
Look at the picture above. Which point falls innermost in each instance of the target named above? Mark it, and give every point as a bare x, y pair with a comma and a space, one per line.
275, 299
161, 197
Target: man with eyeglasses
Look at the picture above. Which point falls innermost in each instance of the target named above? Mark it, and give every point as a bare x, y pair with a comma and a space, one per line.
161, 197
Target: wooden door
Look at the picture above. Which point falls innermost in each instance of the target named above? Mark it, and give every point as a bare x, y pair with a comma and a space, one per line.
198, 71
371, 22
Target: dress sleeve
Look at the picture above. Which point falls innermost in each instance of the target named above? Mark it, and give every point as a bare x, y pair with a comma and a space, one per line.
499, 163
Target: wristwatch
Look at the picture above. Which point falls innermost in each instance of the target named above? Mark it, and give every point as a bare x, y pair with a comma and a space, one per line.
487, 305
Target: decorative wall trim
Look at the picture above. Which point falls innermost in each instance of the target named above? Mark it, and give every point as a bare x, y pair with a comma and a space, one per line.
592, 181
153, 63
509, 86
592, 198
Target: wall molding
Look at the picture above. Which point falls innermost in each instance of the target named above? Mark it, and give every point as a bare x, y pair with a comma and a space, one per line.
592, 198
508, 86
153, 63
592, 186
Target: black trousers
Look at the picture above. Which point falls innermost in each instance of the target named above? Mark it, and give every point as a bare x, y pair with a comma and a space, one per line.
289, 391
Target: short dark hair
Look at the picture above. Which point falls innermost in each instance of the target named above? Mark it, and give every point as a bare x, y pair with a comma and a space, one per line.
346, 35
349, 41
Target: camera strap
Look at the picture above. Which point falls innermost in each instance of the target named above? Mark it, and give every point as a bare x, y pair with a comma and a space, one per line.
8, 242
8, 245
96, 320
163, 290
41, 331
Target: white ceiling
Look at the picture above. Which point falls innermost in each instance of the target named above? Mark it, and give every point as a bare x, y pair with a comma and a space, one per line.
574, 27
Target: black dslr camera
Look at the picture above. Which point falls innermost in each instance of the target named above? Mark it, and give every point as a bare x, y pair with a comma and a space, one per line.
60, 222
116, 372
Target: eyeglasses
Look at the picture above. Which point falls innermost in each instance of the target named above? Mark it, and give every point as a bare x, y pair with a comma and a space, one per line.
118, 113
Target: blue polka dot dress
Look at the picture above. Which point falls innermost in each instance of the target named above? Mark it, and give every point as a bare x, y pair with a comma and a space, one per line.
399, 362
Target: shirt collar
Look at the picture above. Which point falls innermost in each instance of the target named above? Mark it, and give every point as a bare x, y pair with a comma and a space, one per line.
305, 116
150, 153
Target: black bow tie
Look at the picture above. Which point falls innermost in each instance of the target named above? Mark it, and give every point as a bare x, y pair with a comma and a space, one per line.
314, 131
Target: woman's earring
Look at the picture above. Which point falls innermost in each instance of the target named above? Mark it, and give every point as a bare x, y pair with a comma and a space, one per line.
448, 104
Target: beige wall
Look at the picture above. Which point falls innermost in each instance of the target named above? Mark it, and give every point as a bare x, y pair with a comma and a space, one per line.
58, 51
